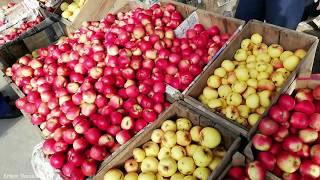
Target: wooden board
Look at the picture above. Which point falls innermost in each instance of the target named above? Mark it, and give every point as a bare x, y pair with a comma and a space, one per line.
288, 39
178, 109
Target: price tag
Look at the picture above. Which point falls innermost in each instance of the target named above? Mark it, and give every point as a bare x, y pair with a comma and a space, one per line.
188, 23
32, 4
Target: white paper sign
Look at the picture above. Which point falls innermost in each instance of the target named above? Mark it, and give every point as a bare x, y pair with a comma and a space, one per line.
188, 23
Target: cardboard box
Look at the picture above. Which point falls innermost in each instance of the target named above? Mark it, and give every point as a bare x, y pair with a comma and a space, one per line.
179, 109
288, 39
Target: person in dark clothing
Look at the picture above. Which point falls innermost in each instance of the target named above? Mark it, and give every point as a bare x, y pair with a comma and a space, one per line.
285, 13
7, 111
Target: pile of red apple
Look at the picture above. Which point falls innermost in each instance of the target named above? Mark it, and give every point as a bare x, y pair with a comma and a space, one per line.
15, 32
289, 143
105, 82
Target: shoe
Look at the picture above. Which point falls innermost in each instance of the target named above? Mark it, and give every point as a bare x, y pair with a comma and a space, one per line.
13, 114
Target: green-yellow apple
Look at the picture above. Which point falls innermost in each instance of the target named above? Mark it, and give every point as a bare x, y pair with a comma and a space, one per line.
261, 66
242, 121
244, 111
151, 148
215, 103
159, 177
231, 77
115, 174
234, 99
249, 91
278, 78
276, 63
256, 38
260, 110
147, 176
219, 151
131, 165
210, 137
167, 167
224, 91
195, 133
264, 98
183, 137
224, 80
263, 57
251, 58
177, 176
291, 62
191, 149
232, 112
239, 86
252, 83
149, 164
164, 152
202, 157
210, 93
253, 118
203, 100
184, 123
285, 54
284, 71
300, 53
240, 55
252, 101
214, 81
275, 50
169, 125
202, 173
251, 65
215, 162
263, 75
186, 165
178, 152
156, 135
242, 74
259, 49
189, 178
138, 154
169, 139
228, 65
253, 73
221, 72
245, 44
265, 84
269, 69
131, 176
224, 102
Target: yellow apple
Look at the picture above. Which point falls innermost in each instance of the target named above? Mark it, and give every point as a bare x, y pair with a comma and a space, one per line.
149, 164
263, 57
260, 110
264, 97
252, 83
214, 81
64, 6
251, 58
232, 112
291, 62
146, 176
284, 71
178, 152
138, 154
253, 73
73, 6
215, 162
249, 91
224, 91
261, 66
115, 174
300, 53
244, 111
256, 38
189, 178
253, 118
252, 101
240, 55
203, 100
245, 44
263, 75
285, 54
278, 78
221, 72
186, 165
177, 176
259, 49
66, 14
210, 93
276, 63
215, 103
265, 84
224, 102
131, 176
231, 77
242, 74
224, 81
269, 69
228, 65
251, 65
275, 50
234, 99
192, 148
239, 86
242, 121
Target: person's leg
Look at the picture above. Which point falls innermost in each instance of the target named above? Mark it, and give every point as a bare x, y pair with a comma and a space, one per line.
250, 9
4, 107
285, 13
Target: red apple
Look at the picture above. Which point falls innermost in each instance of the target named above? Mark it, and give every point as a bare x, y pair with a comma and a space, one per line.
299, 120
292, 144
304, 94
305, 106
314, 122
57, 160
315, 153
106, 140
261, 142
89, 167
98, 153
127, 123
123, 136
80, 144
70, 135
281, 133
291, 176
268, 127
255, 170
308, 135
288, 162
236, 172
310, 169
304, 151
287, 102
92, 135
279, 114
267, 159
316, 92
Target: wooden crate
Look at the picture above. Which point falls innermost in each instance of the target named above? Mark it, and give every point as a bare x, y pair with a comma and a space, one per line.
228, 25
239, 160
288, 39
178, 109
